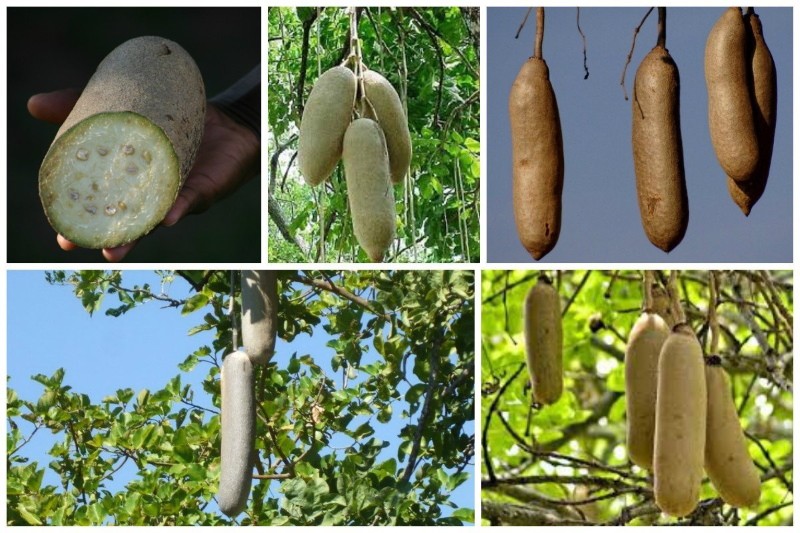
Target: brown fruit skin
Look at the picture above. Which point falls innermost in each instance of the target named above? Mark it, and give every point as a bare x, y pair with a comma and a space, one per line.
727, 461
658, 150
538, 158
680, 423
327, 114
730, 106
389, 112
765, 94
543, 342
369, 187
641, 382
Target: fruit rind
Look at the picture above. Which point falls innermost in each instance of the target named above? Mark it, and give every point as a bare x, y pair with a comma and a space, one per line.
544, 342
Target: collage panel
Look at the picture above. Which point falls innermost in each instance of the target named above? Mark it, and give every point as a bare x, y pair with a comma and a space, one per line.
629, 397
591, 165
254, 397
394, 94
167, 126
345, 394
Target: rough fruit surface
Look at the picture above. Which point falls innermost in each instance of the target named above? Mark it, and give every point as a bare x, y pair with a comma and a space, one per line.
765, 94
730, 105
259, 314
120, 158
238, 412
543, 342
369, 187
326, 116
538, 158
727, 461
641, 382
658, 150
389, 111
680, 423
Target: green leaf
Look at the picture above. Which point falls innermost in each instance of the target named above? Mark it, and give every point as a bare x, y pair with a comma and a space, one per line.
363, 431
472, 145
616, 379
198, 301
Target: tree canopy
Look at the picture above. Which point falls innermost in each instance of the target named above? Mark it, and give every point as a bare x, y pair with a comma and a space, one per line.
567, 463
430, 56
379, 434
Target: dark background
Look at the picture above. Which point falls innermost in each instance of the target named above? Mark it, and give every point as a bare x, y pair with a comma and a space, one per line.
51, 49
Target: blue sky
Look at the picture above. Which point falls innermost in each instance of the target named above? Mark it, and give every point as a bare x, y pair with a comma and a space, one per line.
600, 213
139, 350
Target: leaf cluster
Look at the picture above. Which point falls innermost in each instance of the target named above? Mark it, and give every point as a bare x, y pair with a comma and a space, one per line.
566, 464
429, 57
382, 439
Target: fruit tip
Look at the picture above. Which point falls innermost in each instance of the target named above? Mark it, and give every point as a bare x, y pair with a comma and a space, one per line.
537, 255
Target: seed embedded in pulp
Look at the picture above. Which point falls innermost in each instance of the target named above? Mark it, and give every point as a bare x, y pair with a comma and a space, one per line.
91, 209
128, 149
82, 154
102, 151
111, 210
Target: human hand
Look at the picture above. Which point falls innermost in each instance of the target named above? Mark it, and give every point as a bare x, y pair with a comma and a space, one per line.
229, 155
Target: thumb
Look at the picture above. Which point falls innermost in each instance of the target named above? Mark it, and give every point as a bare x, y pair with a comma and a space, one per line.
53, 106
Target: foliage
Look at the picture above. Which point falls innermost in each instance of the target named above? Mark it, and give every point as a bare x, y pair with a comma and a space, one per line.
566, 464
431, 58
325, 446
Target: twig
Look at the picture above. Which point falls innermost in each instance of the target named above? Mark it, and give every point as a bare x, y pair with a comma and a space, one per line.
440, 58
583, 38
500, 294
505, 309
581, 283
630, 54
627, 514
772, 464
588, 464
304, 60
492, 408
599, 410
775, 508
602, 482
344, 293
278, 218
522, 25
25, 441
455, 48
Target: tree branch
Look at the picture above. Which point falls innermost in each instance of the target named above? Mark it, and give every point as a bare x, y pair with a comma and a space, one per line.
424, 415
518, 515
329, 286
